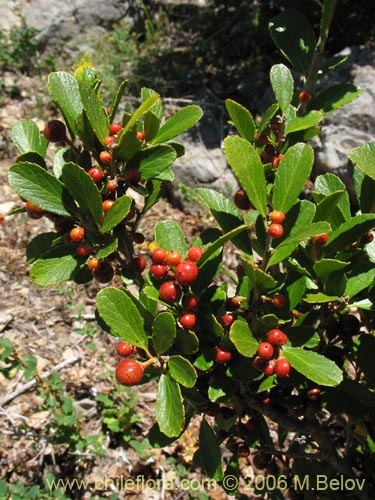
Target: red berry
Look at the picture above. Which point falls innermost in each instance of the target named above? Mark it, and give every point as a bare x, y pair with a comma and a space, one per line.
313, 394
243, 451
259, 363
139, 264
33, 208
189, 301
195, 253
186, 272
265, 350
276, 337
55, 131
77, 234
115, 128
275, 230
241, 200
227, 319
129, 372
96, 174
282, 367
276, 160
93, 264
304, 96
170, 291
321, 239
188, 320
107, 205
159, 256
279, 300
158, 271
173, 258
367, 238
124, 349
141, 136
82, 250
105, 156
109, 140
269, 369
277, 216
222, 355
232, 303
111, 186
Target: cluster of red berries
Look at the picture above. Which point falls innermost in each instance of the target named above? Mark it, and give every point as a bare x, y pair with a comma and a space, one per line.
129, 371
269, 359
275, 229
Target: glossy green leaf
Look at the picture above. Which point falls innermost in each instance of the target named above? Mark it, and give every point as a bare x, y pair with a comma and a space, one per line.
64, 91
122, 316
327, 207
94, 110
55, 266
170, 236
219, 242
335, 97
324, 267
243, 338
295, 38
27, 137
146, 106
107, 248
349, 232
364, 188
35, 184
248, 168
182, 371
116, 101
282, 85
163, 332
209, 451
307, 121
128, 145
61, 156
361, 277
313, 366
156, 159
83, 189
151, 125
320, 298
180, 122
242, 119
364, 157
158, 108
327, 184
257, 277
291, 176
117, 213
267, 117
170, 413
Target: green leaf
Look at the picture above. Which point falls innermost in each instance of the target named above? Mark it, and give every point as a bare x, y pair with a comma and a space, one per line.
182, 371
116, 101
55, 266
170, 236
122, 316
210, 453
94, 110
324, 267
282, 85
83, 189
349, 232
335, 97
61, 156
146, 106
307, 121
156, 159
364, 157
186, 342
181, 121
257, 277
118, 211
158, 107
219, 242
39, 245
313, 366
107, 248
226, 215
163, 332
295, 38
128, 145
291, 176
361, 277
243, 339
364, 188
151, 125
64, 91
26, 137
30, 367
267, 117
326, 208
320, 298
35, 184
249, 170
242, 119
170, 413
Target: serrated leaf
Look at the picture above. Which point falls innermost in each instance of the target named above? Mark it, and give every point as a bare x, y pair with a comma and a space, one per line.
335, 97
210, 453
26, 137
163, 332
35, 184
170, 236
118, 211
364, 157
313, 366
61, 156
64, 91
307, 121
94, 110
242, 119
257, 277
55, 266
243, 338
180, 122
248, 168
156, 159
282, 85
122, 316
291, 176
349, 232
170, 413
182, 371
83, 189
